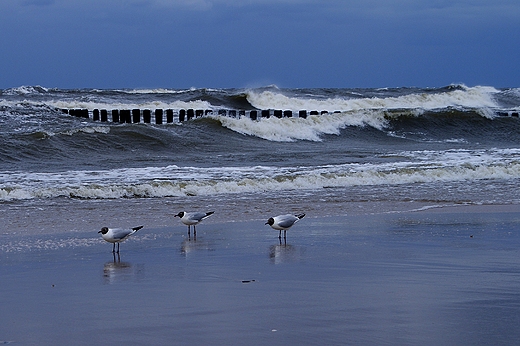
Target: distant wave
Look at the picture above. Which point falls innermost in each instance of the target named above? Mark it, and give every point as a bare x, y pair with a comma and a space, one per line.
473, 98
270, 98
195, 104
35, 109
24, 90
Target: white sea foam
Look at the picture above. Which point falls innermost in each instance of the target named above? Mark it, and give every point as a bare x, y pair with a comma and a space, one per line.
88, 129
25, 90
71, 132
479, 97
164, 91
476, 97
414, 167
91, 105
152, 105
312, 180
352, 112
310, 128
152, 91
47, 244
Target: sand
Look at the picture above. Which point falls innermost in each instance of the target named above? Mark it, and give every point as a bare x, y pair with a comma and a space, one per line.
447, 276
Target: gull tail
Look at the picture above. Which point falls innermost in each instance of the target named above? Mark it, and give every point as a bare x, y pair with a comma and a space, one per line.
208, 214
135, 229
300, 216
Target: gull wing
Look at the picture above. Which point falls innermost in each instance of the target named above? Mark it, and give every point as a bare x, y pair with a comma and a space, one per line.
120, 234
287, 221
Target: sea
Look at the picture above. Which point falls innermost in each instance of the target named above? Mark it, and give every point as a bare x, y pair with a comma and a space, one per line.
411, 232
375, 150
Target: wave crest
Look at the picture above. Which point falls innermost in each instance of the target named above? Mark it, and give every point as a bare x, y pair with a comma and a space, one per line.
310, 128
25, 90
472, 98
281, 182
415, 167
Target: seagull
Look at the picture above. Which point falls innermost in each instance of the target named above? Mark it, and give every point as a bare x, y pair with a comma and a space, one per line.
192, 219
117, 235
283, 222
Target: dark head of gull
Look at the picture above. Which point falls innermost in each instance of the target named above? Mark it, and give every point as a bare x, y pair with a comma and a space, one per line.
104, 230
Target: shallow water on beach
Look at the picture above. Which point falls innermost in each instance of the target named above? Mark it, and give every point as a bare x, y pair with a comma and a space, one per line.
449, 276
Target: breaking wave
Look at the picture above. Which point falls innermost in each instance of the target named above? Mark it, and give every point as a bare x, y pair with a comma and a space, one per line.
173, 181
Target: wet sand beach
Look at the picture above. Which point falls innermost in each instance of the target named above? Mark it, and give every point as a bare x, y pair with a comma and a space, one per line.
444, 276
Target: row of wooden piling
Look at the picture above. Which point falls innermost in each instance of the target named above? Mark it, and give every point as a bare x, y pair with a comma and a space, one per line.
513, 114
161, 116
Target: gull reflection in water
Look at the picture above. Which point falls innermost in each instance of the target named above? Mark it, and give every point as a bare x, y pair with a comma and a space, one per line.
116, 270
189, 245
283, 252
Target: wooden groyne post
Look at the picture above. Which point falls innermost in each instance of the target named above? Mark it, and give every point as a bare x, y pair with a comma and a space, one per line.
160, 116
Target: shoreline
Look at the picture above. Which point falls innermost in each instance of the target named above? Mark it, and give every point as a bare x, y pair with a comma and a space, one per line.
65, 215
57, 238
71, 215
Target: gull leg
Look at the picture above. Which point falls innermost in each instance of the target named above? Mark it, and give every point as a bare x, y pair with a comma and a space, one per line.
118, 258
280, 235
114, 248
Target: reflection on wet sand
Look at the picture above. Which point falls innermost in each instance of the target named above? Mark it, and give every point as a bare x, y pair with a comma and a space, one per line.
189, 245
116, 270
283, 252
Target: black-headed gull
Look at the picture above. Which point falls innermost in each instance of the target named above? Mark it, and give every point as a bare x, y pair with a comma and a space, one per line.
192, 219
283, 222
117, 235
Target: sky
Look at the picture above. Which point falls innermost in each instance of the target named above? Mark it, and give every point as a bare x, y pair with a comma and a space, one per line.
251, 43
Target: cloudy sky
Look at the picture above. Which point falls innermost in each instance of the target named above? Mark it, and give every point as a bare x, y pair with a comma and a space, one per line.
248, 43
